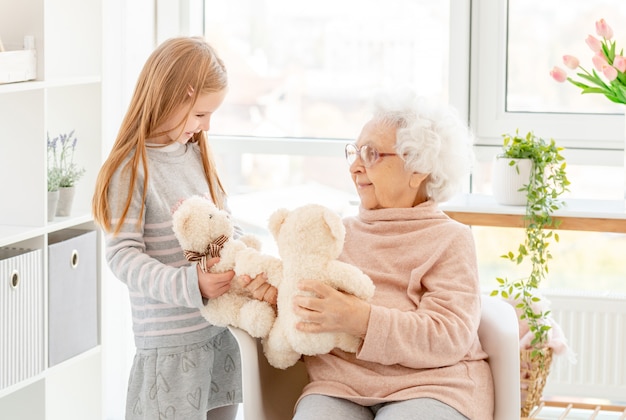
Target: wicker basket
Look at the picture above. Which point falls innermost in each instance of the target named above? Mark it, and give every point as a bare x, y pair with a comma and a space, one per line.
533, 374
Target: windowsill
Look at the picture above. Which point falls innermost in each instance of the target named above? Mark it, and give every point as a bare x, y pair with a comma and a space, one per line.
587, 215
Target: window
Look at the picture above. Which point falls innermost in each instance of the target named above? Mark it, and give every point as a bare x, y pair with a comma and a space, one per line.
306, 72
299, 84
300, 79
539, 34
510, 71
512, 89
591, 261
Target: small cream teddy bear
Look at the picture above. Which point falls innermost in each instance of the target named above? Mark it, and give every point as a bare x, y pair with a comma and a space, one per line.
309, 239
204, 232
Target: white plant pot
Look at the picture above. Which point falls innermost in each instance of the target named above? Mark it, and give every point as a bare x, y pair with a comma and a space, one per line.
507, 180
53, 199
66, 199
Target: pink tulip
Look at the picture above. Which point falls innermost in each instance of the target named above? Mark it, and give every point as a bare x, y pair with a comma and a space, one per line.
571, 62
594, 43
609, 72
558, 74
599, 61
619, 62
603, 29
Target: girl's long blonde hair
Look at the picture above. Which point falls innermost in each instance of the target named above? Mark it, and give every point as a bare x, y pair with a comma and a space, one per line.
176, 68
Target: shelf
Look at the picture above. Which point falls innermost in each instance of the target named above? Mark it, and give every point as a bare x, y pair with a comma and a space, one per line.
66, 382
76, 81
14, 234
585, 215
21, 86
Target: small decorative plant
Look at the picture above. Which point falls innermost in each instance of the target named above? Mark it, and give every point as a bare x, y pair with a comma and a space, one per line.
53, 172
53, 180
548, 180
606, 61
61, 160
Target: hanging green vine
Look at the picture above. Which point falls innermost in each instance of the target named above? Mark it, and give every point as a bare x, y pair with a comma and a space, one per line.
548, 180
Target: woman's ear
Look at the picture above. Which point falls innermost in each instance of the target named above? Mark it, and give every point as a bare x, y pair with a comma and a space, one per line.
417, 179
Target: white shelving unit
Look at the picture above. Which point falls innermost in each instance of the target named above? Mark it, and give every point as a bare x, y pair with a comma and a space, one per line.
65, 96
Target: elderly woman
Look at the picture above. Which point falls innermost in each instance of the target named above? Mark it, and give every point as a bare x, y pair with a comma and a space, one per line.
420, 357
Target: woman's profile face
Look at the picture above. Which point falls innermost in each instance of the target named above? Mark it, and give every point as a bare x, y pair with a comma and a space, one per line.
385, 183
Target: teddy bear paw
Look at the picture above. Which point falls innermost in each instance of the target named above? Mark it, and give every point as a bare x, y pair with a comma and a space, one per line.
257, 318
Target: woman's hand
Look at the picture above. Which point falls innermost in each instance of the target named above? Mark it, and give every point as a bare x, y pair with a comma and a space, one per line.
260, 288
213, 285
330, 310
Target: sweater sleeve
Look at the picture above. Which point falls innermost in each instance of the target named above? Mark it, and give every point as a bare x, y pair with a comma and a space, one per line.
137, 255
441, 329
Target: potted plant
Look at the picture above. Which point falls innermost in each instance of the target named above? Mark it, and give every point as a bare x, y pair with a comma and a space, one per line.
546, 182
63, 148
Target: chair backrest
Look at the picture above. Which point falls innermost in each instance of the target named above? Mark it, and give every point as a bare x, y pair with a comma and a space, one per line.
499, 336
270, 393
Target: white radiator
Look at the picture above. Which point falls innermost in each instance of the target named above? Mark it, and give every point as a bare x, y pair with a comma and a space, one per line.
595, 326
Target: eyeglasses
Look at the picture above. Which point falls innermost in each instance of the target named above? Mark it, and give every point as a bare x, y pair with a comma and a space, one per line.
369, 156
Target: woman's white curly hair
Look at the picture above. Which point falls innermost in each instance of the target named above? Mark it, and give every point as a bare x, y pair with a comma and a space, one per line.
431, 138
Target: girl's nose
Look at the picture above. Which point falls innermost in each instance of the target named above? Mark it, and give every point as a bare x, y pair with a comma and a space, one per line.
205, 124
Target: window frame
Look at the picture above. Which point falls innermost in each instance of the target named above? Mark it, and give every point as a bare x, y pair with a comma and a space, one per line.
588, 139
458, 83
477, 57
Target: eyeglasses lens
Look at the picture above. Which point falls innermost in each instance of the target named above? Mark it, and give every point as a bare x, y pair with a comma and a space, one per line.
351, 152
368, 154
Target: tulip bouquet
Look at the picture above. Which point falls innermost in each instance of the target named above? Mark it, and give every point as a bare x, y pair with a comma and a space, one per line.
606, 62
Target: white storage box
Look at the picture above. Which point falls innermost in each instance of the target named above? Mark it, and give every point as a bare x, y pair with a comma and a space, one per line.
72, 294
18, 66
21, 315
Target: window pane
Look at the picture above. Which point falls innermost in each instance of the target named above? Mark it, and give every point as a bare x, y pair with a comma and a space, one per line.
589, 182
540, 33
259, 184
581, 260
306, 71
576, 264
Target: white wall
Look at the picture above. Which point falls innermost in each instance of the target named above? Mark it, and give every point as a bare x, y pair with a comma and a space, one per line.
128, 39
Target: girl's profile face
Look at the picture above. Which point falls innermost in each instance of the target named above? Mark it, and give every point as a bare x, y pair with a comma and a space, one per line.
198, 118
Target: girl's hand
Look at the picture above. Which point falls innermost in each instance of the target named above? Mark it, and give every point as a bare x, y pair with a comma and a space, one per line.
260, 288
329, 310
213, 285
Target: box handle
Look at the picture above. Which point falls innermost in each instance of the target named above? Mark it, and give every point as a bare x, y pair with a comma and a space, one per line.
15, 279
74, 259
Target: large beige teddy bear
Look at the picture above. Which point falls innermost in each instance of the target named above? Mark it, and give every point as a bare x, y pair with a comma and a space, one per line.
204, 231
309, 239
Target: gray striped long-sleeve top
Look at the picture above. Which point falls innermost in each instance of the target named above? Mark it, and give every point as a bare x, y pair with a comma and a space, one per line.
163, 287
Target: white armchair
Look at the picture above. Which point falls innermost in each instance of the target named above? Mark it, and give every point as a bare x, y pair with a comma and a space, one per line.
499, 335
270, 393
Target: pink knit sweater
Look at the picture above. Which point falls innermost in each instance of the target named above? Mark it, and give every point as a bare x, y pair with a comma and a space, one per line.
422, 336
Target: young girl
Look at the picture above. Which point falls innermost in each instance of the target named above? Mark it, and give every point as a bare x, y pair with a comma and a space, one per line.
183, 365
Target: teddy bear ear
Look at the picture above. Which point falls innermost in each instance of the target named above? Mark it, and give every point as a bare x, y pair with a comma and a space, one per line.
276, 220
334, 223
